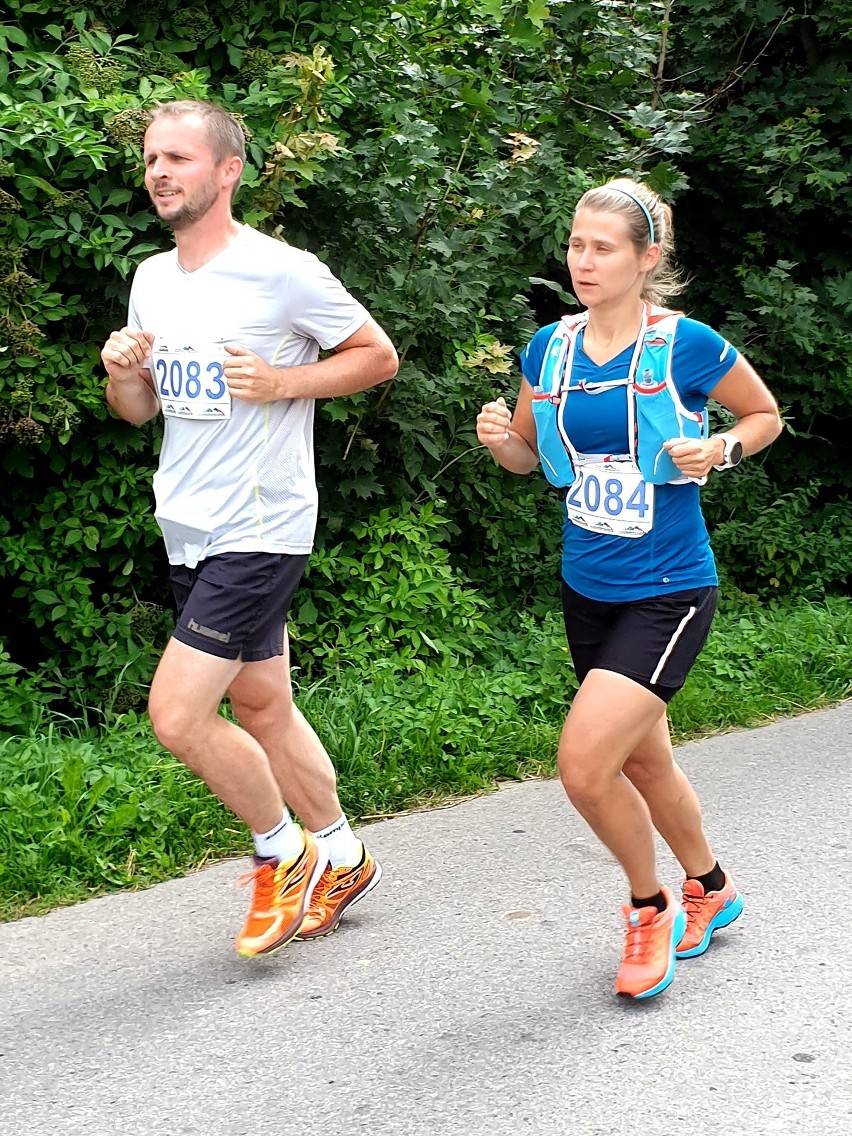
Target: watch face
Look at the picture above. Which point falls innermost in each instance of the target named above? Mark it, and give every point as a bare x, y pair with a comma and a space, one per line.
736, 453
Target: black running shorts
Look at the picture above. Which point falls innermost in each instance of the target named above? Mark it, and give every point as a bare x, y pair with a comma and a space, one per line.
235, 605
653, 641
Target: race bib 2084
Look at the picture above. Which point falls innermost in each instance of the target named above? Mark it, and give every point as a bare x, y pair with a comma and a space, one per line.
611, 497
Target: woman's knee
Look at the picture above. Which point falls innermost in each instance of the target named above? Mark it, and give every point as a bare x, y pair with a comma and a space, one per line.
583, 780
643, 768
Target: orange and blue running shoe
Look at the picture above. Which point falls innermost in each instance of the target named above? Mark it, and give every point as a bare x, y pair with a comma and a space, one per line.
648, 964
282, 892
337, 890
706, 914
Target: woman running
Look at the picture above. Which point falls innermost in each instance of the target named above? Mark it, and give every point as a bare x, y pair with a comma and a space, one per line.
613, 405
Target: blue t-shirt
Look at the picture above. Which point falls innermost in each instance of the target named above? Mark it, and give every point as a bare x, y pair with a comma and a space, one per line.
675, 554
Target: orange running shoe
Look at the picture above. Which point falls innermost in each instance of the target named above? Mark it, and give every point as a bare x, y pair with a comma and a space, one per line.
648, 965
706, 914
337, 890
281, 896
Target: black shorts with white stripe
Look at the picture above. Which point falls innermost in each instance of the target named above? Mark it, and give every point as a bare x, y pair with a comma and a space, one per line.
653, 641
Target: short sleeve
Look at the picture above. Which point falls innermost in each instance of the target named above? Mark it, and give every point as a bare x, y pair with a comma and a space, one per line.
320, 308
533, 354
700, 358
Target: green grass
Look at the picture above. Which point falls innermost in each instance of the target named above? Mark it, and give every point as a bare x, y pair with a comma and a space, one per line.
767, 663
85, 810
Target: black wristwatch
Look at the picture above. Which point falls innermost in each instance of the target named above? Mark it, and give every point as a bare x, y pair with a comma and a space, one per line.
732, 453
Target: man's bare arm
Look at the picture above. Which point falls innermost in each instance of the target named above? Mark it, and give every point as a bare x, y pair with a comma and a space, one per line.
364, 359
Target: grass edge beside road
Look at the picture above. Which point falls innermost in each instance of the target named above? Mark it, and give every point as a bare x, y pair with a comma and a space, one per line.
86, 810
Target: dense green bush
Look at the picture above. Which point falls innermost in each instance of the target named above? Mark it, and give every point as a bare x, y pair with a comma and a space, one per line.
431, 151
766, 234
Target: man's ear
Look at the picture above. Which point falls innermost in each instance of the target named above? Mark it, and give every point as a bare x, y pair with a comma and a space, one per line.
232, 170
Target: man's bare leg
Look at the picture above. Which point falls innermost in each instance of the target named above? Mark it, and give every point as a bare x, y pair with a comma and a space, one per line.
262, 699
184, 707
186, 693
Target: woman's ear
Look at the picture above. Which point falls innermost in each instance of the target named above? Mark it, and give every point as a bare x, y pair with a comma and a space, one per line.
651, 258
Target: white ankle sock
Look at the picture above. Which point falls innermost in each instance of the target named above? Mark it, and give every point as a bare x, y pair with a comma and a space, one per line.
340, 844
284, 841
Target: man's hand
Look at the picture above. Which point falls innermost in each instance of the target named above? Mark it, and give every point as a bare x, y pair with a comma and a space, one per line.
130, 390
493, 422
124, 354
693, 457
249, 378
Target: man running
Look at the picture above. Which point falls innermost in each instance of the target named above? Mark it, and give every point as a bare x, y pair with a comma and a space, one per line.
223, 336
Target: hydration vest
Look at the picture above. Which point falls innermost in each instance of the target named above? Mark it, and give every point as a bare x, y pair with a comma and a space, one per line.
655, 413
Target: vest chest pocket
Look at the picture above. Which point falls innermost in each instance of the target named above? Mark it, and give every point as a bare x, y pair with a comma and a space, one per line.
555, 460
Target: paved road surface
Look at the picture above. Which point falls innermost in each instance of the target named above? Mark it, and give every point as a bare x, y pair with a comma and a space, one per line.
470, 995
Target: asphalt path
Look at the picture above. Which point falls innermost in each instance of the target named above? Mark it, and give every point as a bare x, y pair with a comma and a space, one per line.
472, 992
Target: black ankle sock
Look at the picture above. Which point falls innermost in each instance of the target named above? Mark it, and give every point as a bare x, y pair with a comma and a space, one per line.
714, 880
658, 901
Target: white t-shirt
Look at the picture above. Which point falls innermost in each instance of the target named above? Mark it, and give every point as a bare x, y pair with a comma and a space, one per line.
243, 483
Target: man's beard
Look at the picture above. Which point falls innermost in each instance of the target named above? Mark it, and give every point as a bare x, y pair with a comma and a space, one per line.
192, 211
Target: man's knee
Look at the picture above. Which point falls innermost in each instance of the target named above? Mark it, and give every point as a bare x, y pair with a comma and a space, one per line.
174, 725
260, 703
263, 722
